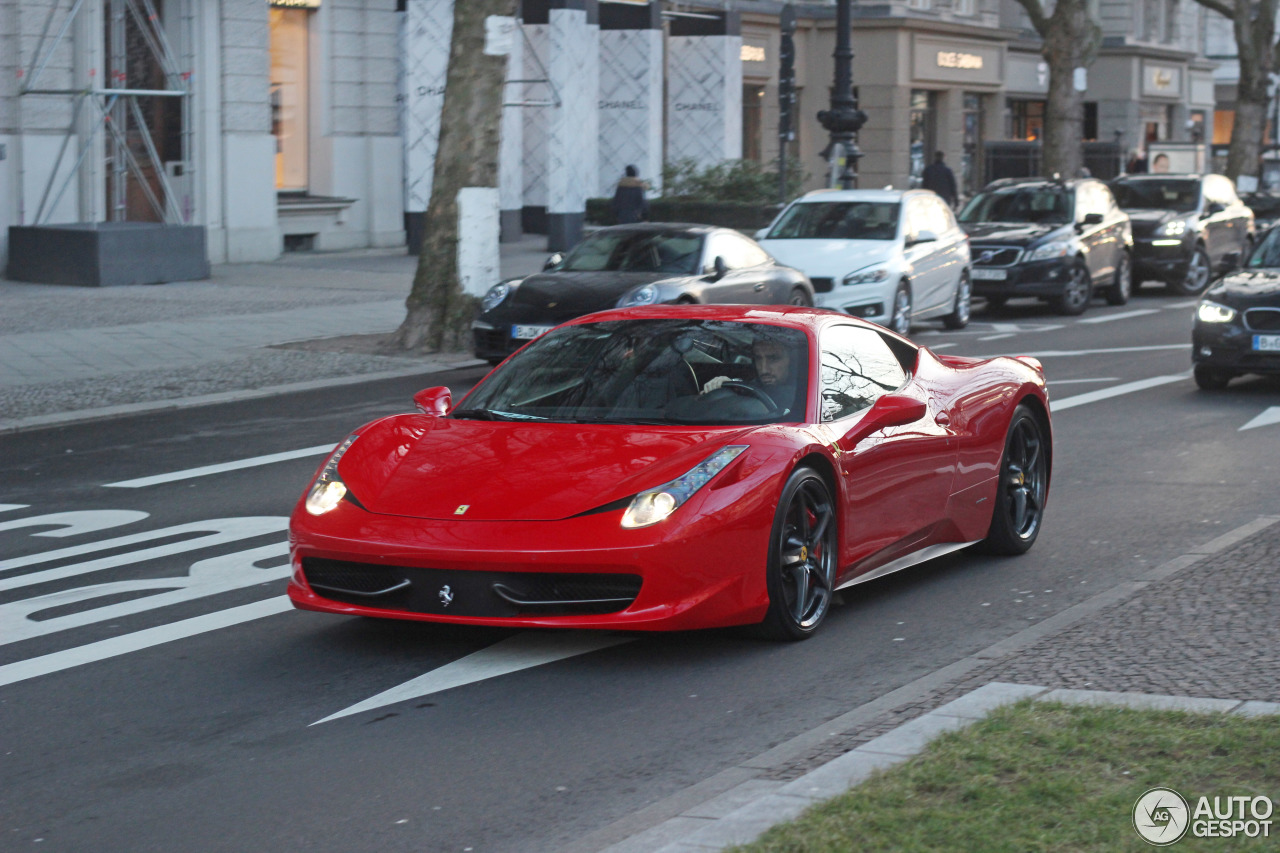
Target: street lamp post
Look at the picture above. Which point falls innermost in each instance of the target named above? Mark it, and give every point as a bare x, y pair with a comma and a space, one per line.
844, 119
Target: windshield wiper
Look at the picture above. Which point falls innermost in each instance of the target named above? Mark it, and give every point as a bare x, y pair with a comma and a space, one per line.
493, 415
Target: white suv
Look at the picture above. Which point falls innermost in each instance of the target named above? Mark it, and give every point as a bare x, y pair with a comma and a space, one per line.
889, 256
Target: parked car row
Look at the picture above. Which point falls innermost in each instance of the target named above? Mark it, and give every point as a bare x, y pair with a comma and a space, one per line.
898, 257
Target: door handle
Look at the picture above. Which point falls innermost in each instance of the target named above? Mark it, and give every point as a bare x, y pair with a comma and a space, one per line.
760, 286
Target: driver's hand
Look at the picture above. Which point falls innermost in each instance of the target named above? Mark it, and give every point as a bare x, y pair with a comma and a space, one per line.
714, 383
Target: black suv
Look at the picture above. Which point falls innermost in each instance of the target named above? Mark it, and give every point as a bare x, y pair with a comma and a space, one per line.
1053, 239
1185, 227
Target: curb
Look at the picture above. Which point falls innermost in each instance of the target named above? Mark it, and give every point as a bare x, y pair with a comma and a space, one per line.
744, 823
125, 409
675, 818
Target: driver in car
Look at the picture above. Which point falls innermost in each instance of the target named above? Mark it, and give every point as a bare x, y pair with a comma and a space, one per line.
774, 374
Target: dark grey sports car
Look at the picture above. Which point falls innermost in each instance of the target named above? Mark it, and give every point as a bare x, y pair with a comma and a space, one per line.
626, 265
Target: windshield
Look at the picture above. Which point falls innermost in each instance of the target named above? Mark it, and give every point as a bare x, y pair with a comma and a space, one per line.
1044, 203
1175, 194
636, 251
662, 371
1268, 252
838, 220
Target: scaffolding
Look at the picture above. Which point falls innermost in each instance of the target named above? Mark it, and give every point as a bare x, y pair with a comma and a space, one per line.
117, 111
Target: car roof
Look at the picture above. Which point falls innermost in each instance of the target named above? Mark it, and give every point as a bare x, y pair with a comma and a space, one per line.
1162, 176
1066, 183
858, 195
663, 226
793, 316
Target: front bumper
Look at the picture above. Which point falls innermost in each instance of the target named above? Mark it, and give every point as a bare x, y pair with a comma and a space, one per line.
1229, 346
1160, 263
705, 570
1035, 278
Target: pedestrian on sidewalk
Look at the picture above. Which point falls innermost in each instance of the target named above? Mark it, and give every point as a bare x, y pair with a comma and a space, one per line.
939, 178
629, 202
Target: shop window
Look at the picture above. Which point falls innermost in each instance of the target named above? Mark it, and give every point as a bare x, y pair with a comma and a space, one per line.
923, 133
753, 122
290, 96
1026, 120
970, 180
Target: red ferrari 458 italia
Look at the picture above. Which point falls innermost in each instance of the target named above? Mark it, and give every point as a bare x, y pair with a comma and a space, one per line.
677, 467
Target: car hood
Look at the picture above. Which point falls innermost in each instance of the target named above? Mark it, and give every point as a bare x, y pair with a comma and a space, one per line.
1019, 234
1248, 289
427, 467
830, 258
571, 294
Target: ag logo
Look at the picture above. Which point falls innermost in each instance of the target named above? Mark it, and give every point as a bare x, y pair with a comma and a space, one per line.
1161, 816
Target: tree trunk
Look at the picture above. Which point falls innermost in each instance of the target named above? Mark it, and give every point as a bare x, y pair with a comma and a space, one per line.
1071, 39
439, 312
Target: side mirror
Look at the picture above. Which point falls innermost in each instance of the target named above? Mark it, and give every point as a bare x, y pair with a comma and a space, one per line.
1093, 219
434, 401
553, 261
891, 410
924, 236
719, 269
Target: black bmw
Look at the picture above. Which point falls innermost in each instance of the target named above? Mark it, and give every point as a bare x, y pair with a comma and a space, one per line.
1237, 323
626, 265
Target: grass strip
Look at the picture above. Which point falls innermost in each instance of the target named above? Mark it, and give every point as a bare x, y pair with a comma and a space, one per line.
1046, 776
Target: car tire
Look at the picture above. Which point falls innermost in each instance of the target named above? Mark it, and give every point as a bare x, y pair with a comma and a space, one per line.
1196, 279
1212, 378
686, 300
1122, 286
963, 307
1025, 464
900, 313
801, 569
1076, 293
800, 297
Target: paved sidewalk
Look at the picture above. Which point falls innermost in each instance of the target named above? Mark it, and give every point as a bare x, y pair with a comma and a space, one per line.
1198, 632
71, 352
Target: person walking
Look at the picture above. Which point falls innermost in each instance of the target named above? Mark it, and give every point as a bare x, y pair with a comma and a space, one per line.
629, 203
939, 178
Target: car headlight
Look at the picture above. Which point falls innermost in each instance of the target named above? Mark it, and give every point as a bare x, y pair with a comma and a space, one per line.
654, 505
1055, 249
493, 298
1176, 228
328, 489
1212, 312
867, 276
644, 295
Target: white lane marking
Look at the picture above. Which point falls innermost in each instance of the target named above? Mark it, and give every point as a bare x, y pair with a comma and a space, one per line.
75, 523
223, 467
207, 577
513, 654
1055, 383
1270, 416
8, 507
1113, 391
1190, 303
1062, 353
1123, 315
942, 346
997, 337
138, 640
217, 531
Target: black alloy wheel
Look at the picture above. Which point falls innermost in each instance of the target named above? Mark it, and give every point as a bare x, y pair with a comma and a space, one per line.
1122, 285
801, 572
1023, 486
1197, 276
1212, 378
1076, 293
963, 307
800, 297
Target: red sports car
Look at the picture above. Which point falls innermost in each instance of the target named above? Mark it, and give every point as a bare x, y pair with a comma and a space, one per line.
677, 467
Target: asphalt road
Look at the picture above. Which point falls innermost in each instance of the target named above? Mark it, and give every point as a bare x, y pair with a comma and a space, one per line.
160, 697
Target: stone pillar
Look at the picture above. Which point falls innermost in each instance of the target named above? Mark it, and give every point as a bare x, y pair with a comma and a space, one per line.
535, 117
428, 29
511, 150
704, 89
572, 138
630, 105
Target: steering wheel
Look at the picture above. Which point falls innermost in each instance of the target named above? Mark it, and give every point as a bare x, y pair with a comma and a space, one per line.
737, 386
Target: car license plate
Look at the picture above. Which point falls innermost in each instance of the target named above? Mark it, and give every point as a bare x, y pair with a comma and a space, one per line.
1266, 343
995, 275
528, 333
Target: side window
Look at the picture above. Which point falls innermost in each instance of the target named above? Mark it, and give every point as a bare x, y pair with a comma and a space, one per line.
750, 254
737, 252
939, 217
858, 367
1088, 201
